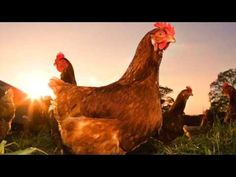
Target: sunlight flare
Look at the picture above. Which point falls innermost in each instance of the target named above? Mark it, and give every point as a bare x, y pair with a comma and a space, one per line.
35, 84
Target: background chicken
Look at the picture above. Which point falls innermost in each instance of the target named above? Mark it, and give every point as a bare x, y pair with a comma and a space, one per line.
21, 102
173, 121
64, 66
197, 124
7, 112
203, 120
230, 91
116, 118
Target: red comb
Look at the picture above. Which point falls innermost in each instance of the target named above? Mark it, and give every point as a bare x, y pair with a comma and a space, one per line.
189, 88
166, 26
60, 56
226, 84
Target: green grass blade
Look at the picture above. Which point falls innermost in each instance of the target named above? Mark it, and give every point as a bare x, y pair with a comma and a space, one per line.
27, 151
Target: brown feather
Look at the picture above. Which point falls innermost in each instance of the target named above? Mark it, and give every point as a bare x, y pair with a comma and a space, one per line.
230, 91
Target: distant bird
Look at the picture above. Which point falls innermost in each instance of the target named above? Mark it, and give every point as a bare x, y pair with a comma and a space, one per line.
64, 66
230, 92
205, 119
7, 112
198, 124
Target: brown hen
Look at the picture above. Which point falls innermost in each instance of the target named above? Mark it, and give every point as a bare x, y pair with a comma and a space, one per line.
7, 112
173, 120
116, 118
230, 92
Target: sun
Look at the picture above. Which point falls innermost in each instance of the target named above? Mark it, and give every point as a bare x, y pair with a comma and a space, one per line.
36, 90
35, 84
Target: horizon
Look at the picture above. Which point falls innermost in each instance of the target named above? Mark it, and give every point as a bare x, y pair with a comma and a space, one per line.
101, 52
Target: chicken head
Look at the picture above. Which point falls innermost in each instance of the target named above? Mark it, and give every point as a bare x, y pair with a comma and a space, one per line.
164, 35
60, 62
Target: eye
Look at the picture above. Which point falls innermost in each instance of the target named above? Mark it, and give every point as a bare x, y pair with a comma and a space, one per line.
161, 33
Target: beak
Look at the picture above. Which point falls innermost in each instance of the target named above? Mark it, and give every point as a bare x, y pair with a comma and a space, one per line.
171, 39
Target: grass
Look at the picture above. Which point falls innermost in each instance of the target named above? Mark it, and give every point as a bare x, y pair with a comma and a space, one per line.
22, 143
219, 140
4, 148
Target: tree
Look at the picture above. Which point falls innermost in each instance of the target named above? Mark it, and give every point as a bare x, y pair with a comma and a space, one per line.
219, 102
166, 101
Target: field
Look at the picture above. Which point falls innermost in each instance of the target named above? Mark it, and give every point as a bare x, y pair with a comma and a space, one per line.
220, 140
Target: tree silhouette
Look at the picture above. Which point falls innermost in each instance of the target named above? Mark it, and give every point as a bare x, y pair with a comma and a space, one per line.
166, 101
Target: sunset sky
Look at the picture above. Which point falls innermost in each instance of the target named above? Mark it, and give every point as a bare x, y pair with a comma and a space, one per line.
101, 52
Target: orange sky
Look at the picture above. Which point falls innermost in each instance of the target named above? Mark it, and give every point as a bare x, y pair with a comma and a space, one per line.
101, 52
